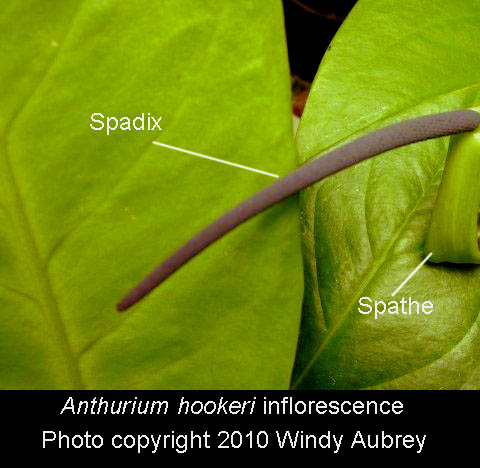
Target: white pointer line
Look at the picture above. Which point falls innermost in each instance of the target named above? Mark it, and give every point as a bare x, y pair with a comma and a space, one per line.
412, 273
216, 159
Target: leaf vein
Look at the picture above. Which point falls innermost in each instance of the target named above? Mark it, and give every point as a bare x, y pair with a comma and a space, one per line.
367, 280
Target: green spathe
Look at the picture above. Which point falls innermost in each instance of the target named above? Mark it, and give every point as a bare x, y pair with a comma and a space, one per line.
452, 235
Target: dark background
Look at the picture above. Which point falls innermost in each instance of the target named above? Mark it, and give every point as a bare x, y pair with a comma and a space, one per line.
448, 418
310, 26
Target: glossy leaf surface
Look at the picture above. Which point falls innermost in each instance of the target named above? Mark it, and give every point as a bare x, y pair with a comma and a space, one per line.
364, 229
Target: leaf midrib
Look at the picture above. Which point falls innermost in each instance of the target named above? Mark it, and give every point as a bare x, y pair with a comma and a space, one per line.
69, 375
40, 278
366, 281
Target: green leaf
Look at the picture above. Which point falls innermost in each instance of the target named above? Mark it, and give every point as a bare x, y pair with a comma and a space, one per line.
365, 228
84, 216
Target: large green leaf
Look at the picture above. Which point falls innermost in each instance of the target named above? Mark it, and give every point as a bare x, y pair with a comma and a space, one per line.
83, 215
364, 228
